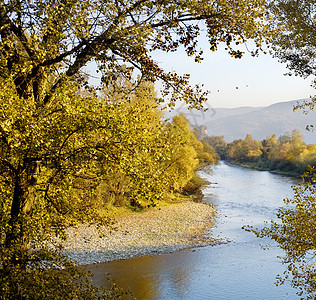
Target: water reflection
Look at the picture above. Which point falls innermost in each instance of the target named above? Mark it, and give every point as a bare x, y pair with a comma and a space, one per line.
237, 270
146, 276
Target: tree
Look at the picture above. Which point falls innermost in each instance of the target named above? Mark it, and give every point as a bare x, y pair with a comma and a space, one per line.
268, 145
295, 234
45, 163
295, 42
295, 45
244, 150
45, 42
188, 155
286, 153
53, 134
218, 143
254, 148
95, 151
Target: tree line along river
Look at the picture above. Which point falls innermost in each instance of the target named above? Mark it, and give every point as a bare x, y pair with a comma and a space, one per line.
239, 269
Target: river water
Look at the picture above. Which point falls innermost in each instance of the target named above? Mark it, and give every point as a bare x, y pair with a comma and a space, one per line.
240, 269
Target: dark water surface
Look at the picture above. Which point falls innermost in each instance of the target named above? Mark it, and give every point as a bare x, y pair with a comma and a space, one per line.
240, 269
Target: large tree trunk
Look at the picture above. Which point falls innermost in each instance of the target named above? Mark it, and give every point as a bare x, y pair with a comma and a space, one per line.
16, 241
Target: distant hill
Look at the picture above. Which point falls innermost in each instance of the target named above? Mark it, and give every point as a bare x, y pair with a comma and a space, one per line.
260, 122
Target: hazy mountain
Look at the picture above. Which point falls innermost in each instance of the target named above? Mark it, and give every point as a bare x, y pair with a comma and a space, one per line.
260, 122
196, 116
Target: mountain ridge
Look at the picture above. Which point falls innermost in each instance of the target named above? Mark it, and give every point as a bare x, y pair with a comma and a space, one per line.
261, 122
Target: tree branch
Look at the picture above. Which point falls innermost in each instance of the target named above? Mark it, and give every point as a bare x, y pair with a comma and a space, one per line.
7, 27
185, 18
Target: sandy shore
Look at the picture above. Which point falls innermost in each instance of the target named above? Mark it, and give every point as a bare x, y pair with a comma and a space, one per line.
159, 230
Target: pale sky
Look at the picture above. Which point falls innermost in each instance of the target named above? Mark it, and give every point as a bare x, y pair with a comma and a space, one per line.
260, 80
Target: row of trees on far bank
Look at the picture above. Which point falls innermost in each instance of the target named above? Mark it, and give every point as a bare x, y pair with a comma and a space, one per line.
287, 153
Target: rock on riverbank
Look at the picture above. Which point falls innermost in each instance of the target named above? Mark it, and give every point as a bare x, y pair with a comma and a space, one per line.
159, 230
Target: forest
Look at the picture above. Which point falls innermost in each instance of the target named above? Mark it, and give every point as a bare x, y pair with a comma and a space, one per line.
89, 154
287, 153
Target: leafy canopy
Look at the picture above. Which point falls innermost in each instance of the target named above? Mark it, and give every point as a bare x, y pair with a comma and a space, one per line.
295, 42
294, 231
295, 45
69, 166
44, 42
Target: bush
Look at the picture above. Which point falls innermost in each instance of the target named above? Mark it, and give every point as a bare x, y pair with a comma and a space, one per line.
113, 190
194, 185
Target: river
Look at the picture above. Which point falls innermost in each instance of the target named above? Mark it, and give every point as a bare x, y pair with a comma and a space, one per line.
240, 269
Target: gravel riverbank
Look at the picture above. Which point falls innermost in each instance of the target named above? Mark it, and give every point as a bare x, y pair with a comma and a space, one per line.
158, 230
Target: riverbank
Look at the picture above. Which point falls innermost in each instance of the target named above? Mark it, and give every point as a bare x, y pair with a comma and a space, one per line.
254, 166
159, 230
237, 270
248, 165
